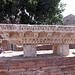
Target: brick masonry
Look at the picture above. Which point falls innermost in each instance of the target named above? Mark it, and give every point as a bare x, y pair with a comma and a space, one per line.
38, 66
45, 47
4, 45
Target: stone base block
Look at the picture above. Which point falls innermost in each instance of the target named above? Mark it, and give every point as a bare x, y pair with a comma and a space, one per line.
29, 50
61, 49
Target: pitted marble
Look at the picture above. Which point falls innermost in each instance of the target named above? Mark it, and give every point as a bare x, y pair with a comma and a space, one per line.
37, 34
31, 35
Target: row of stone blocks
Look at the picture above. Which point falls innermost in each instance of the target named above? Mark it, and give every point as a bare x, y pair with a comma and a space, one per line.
38, 66
59, 49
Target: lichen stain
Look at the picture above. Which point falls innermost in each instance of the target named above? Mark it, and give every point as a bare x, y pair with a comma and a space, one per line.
29, 34
14, 35
42, 34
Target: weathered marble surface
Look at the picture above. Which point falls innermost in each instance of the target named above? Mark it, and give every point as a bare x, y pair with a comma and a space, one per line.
37, 34
58, 36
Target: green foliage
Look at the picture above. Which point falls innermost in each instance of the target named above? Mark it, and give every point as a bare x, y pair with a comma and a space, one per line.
31, 11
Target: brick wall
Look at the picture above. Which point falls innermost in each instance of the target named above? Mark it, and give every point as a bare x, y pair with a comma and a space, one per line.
18, 49
72, 46
4, 45
45, 47
41, 66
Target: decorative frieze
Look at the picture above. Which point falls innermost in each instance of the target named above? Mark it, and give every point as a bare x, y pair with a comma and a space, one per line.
37, 34
31, 35
24, 27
